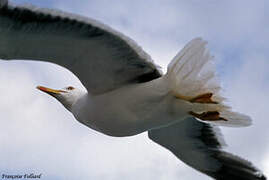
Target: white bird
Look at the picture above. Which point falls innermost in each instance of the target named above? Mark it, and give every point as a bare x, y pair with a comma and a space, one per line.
126, 93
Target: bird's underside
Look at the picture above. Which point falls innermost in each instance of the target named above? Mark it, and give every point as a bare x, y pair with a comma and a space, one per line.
106, 61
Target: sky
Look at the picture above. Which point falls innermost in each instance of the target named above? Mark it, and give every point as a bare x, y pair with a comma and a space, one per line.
37, 135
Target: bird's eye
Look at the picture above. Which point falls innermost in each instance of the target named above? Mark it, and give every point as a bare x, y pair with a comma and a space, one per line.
70, 88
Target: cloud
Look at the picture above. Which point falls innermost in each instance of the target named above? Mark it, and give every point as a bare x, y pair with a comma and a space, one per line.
266, 164
38, 134
248, 90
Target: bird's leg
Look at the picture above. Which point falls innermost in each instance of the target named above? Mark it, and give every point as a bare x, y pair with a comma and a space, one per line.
208, 116
203, 98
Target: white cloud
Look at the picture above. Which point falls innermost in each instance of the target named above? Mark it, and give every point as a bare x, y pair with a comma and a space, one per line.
266, 164
247, 88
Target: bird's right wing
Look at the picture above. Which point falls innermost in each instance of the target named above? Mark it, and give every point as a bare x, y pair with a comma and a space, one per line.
102, 58
200, 146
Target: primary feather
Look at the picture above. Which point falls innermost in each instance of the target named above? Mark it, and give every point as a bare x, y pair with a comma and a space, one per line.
201, 145
84, 46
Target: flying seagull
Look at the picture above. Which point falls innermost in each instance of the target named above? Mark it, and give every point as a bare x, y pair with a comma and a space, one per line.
126, 93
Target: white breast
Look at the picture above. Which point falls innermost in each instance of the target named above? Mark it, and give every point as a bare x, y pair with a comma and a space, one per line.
127, 111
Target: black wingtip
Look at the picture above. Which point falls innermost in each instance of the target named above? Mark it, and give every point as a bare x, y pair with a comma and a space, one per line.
234, 176
263, 177
235, 168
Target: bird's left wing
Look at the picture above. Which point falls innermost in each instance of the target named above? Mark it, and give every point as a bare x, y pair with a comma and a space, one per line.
200, 146
102, 58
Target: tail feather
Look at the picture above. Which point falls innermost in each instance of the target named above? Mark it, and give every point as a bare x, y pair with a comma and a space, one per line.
192, 73
235, 119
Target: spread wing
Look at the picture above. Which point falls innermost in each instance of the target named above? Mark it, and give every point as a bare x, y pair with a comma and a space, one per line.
200, 146
102, 58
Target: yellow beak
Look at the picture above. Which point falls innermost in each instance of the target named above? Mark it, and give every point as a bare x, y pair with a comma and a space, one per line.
48, 90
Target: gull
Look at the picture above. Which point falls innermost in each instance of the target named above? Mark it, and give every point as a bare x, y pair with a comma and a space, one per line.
126, 92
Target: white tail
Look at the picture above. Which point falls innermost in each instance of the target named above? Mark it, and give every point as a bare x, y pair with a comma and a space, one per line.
192, 73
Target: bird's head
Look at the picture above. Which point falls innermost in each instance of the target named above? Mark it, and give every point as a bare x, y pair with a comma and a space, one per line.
68, 96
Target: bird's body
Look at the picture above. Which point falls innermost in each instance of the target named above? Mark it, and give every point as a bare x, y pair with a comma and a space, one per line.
130, 110
126, 93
